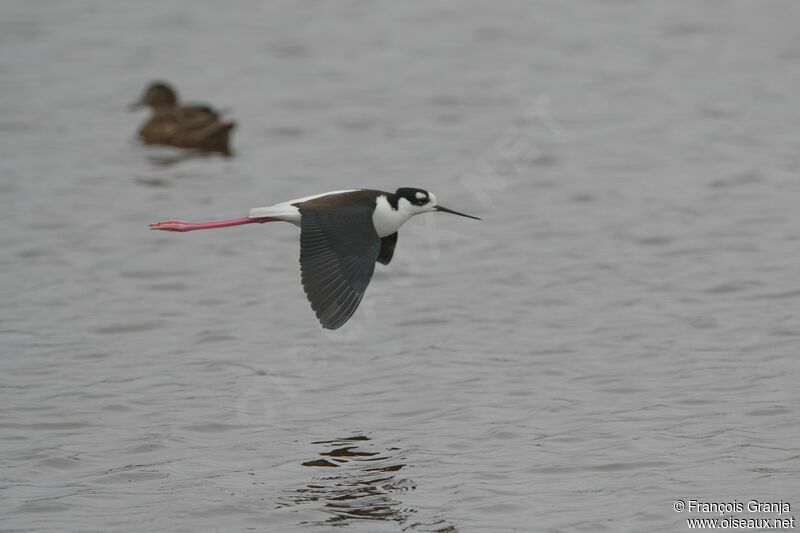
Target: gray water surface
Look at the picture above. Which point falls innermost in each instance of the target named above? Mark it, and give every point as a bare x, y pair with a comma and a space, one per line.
619, 331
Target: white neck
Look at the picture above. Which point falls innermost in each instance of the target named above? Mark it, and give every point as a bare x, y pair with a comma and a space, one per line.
388, 220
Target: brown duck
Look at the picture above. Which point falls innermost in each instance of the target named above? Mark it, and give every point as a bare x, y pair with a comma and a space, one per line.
184, 126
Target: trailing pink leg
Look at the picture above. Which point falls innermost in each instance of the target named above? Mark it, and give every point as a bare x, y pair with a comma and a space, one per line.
180, 225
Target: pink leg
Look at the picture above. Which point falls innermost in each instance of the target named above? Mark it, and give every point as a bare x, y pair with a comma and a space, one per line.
180, 225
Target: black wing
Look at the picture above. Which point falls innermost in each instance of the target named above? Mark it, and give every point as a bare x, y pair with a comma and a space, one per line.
387, 248
338, 250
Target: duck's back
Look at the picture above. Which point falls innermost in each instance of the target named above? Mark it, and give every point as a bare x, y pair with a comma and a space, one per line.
192, 126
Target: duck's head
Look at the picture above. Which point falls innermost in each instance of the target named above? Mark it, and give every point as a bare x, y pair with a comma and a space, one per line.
158, 94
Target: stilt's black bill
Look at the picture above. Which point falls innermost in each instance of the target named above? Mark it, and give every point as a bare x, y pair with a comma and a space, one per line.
440, 208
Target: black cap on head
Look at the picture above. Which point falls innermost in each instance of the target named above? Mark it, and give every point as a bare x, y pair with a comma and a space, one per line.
414, 196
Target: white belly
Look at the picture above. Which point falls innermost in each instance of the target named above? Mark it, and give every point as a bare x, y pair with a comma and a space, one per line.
387, 220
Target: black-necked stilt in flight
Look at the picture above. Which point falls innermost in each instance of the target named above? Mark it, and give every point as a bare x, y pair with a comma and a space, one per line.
342, 235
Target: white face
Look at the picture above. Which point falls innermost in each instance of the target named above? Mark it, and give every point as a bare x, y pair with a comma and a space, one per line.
424, 202
431, 202
412, 202
387, 219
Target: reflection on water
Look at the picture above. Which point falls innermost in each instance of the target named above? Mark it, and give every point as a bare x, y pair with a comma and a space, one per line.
179, 155
356, 481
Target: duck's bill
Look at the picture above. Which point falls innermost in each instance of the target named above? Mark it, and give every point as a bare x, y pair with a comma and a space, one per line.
440, 208
134, 106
